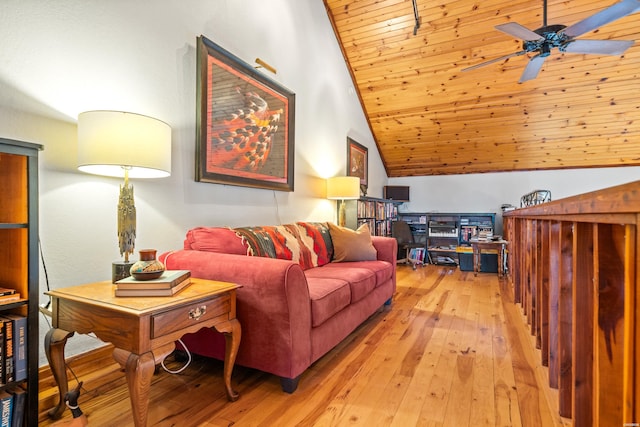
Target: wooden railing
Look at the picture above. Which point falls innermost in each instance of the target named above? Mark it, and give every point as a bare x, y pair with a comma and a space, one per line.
574, 267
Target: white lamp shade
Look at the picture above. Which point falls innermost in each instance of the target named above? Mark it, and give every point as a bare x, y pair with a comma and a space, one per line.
343, 188
110, 141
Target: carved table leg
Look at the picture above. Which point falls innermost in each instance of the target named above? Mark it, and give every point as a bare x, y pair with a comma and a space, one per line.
139, 370
54, 343
232, 334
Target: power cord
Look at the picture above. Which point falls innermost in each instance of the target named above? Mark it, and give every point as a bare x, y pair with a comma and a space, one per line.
44, 308
187, 363
277, 208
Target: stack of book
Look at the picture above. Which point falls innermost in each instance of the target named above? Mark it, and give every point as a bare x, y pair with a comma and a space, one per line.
170, 283
8, 295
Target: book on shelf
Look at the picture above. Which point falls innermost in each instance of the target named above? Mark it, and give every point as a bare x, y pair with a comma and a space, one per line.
6, 407
7, 291
1, 353
417, 254
150, 292
7, 351
19, 403
19, 344
8, 298
168, 280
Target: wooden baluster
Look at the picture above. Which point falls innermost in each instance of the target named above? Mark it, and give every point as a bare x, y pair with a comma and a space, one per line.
515, 255
631, 387
565, 319
610, 326
543, 290
532, 289
583, 318
555, 261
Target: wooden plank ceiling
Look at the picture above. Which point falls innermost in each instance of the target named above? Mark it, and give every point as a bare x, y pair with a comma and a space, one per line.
429, 118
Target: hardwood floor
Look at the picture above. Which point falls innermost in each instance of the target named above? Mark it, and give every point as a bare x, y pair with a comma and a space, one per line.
451, 351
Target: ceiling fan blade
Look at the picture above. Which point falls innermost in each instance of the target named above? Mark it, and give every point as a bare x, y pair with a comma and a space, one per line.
494, 60
598, 47
532, 69
518, 31
601, 18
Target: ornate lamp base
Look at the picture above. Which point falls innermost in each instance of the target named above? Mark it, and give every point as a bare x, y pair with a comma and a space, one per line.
120, 270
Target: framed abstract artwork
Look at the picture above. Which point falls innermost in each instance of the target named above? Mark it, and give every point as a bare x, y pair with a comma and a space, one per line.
358, 161
244, 122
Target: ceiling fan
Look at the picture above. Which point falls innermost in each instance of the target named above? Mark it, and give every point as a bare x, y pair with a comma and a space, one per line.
547, 37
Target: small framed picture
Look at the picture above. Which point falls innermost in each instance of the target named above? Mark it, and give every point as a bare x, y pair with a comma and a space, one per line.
358, 161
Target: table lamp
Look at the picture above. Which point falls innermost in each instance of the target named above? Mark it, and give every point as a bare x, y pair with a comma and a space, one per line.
120, 144
343, 188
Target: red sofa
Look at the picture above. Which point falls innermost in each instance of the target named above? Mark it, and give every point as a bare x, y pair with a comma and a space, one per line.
297, 299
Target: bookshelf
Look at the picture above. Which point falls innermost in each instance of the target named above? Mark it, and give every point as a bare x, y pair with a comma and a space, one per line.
19, 254
444, 234
378, 213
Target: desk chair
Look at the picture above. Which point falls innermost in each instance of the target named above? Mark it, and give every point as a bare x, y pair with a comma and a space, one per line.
401, 231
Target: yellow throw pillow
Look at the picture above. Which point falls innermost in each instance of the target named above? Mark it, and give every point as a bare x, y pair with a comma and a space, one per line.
350, 245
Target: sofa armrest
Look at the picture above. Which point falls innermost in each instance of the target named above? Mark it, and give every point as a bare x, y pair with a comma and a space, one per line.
273, 304
387, 248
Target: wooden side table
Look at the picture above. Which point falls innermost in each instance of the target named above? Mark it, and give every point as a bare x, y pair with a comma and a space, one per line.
491, 245
142, 329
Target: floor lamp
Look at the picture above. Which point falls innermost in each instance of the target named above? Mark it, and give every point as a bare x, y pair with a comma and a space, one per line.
124, 145
343, 188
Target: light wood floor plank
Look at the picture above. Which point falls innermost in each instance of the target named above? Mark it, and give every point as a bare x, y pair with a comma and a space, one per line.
482, 410
419, 366
505, 389
452, 350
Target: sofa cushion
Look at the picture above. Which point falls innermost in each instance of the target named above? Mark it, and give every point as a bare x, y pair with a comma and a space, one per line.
214, 239
362, 276
350, 245
328, 296
316, 237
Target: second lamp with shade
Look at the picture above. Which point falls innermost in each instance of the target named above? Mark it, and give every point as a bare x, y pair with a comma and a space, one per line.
128, 145
343, 188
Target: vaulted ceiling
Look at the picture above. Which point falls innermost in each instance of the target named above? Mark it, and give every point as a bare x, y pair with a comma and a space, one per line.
430, 118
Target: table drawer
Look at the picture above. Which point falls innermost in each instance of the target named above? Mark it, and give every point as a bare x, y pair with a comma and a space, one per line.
182, 317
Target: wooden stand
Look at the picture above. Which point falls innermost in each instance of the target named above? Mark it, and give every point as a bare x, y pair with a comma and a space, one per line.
492, 246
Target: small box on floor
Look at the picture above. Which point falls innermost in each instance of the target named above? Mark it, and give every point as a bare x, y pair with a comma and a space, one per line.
488, 262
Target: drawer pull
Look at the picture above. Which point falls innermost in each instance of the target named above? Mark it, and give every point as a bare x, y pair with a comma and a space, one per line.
197, 312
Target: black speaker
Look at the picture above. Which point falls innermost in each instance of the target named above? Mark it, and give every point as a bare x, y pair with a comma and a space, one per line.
397, 193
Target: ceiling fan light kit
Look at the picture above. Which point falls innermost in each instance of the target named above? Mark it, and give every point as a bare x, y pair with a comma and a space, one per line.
542, 40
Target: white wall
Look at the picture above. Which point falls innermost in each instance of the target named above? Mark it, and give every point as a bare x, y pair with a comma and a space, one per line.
60, 58
488, 192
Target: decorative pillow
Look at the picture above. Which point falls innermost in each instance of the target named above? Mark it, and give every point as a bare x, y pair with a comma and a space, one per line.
316, 238
278, 241
214, 239
349, 245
